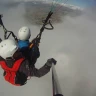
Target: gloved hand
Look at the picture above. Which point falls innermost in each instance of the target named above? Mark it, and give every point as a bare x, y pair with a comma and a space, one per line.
51, 61
36, 40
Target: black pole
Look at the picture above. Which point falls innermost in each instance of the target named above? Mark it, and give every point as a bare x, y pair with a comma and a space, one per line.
58, 95
55, 83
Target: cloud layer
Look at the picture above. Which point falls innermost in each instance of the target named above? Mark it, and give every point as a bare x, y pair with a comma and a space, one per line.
72, 43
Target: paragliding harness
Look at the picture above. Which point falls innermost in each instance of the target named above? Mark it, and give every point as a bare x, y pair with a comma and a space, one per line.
36, 40
6, 31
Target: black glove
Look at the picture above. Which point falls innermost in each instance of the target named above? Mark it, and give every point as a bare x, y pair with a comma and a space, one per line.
36, 41
51, 61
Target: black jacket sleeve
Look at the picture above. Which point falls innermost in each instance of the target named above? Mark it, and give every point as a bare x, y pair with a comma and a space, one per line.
32, 71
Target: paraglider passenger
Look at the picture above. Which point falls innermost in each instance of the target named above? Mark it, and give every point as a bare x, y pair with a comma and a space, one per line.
16, 65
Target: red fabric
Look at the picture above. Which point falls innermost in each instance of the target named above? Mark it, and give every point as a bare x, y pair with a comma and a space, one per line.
11, 72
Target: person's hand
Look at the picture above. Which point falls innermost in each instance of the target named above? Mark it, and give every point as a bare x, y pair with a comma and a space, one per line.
51, 61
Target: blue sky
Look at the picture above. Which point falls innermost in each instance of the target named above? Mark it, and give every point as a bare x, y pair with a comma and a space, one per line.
81, 3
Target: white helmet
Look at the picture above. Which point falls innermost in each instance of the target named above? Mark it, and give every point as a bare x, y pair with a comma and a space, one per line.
24, 33
8, 48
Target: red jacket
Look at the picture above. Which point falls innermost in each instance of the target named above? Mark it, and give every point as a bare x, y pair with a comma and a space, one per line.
11, 72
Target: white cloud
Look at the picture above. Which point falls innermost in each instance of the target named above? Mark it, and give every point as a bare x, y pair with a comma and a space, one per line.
72, 43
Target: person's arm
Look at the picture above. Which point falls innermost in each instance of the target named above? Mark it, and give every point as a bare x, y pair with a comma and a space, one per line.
40, 72
45, 69
34, 71
24, 68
